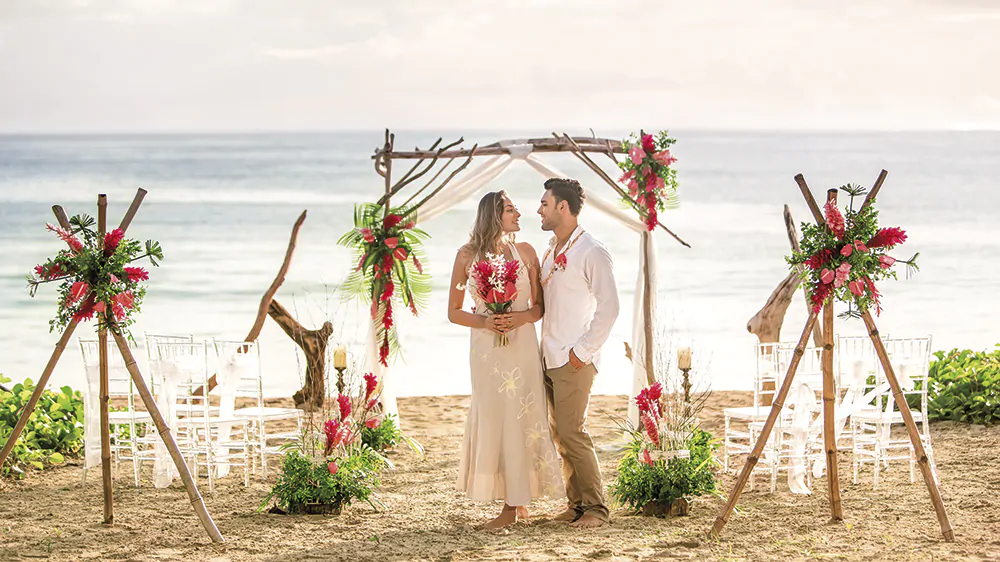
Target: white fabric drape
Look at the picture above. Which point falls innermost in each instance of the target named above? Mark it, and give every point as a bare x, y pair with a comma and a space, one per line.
472, 183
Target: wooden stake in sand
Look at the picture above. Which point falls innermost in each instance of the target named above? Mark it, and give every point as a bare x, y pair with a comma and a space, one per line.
830, 445
133, 369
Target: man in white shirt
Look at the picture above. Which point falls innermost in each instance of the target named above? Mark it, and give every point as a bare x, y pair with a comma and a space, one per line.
581, 305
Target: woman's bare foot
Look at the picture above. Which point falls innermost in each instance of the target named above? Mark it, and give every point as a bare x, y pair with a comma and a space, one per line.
508, 516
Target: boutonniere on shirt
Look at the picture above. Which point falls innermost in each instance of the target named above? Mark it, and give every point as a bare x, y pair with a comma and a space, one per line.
560, 261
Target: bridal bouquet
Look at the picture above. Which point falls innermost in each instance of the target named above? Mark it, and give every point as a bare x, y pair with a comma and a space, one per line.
495, 281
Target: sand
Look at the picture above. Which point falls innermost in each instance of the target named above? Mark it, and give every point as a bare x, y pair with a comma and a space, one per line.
51, 515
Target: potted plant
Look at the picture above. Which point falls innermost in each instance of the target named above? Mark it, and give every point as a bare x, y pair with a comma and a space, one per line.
329, 469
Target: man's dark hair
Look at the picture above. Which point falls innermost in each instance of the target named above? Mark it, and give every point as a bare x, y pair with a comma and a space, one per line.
568, 190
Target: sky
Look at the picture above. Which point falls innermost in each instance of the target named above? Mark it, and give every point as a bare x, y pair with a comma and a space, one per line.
262, 65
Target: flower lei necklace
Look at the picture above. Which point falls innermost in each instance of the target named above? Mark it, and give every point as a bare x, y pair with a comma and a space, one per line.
559, 262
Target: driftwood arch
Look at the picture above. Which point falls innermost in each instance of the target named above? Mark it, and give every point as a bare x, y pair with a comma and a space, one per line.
441, 158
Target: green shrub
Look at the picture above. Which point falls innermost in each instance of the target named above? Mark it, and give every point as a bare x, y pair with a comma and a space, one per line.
54, 430
384, 437
306, 481
964, 385
638, 483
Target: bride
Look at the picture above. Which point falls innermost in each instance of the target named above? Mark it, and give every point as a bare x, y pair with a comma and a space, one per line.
508, 453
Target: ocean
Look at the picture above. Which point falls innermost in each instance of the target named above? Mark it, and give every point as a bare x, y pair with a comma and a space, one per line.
222, 207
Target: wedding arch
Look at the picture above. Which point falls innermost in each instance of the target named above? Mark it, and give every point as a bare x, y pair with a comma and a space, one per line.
437, 196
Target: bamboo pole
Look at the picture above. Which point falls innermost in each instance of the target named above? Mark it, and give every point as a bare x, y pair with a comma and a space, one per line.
104, 396
758, 448
874, 190
813, 207
911, 428
582, 156
39, 388
140, 194
61, 217
168, 438
647, 309
829, 402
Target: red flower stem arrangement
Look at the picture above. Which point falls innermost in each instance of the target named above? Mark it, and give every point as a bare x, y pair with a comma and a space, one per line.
388, 269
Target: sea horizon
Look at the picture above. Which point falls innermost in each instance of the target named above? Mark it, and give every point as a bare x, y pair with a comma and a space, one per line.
222, 205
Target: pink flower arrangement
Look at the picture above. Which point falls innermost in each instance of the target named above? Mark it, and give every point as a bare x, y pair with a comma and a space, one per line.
96, 275
846, 258
648, 175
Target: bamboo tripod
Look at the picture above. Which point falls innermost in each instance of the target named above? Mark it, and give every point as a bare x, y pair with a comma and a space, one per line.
130, 364
829, 398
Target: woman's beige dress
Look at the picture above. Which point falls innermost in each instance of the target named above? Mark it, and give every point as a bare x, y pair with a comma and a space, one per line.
508, 453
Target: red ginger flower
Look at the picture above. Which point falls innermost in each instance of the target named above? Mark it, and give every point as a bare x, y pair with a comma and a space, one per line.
834, 219
332, 467
651, 430
373, 423
73, 242
370, 383
344, 402
818, 295
387, 317
887, 237
819, 259
416, 262
111, 241
646, 457
647, 143
383, 352
136, 274
387, 291
391, 221
86, 310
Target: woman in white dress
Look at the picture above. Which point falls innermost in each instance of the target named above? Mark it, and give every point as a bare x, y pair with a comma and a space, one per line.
508, 453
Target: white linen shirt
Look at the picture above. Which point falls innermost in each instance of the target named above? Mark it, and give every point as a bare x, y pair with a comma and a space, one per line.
581, 302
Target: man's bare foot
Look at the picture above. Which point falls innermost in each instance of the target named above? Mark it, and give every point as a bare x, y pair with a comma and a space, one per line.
508, 516
522, 512
588, 522
568, 516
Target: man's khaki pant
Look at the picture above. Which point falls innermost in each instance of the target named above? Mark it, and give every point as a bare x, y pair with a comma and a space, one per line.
568, 394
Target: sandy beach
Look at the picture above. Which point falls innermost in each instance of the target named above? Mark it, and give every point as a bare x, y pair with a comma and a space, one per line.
50, 515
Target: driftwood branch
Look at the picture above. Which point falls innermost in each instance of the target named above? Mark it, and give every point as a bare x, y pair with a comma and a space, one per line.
416, 193
61, 217
793, 240
438, 189
406, 179
539, 145
265, 301
874, 190
813, 207
313, 344
582, 156
766, 324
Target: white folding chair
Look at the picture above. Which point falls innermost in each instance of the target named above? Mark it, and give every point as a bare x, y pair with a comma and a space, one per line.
125, 425
241, 361
183, 367
872, 425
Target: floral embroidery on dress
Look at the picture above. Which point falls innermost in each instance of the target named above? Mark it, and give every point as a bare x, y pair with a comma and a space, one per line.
511, 382
534, 435
527, 404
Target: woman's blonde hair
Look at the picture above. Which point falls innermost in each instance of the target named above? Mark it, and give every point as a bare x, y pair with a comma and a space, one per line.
487, 235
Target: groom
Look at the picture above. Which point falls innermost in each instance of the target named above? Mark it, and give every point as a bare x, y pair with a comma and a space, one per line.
581, 305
